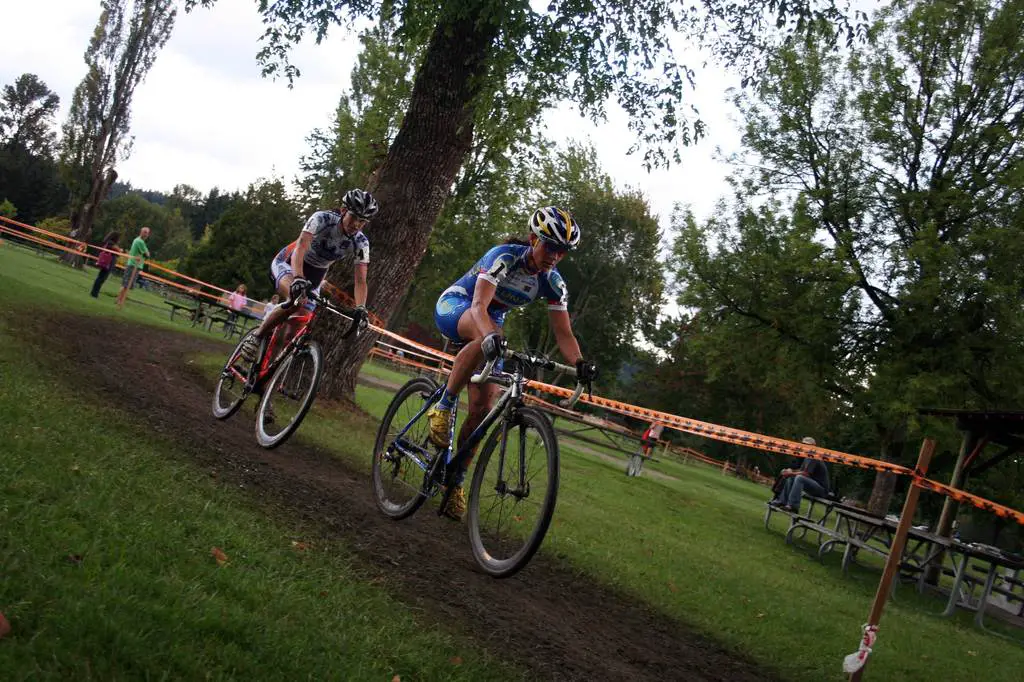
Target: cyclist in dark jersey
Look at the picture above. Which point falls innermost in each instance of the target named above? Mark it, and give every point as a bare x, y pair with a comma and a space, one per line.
471, 313
300, 266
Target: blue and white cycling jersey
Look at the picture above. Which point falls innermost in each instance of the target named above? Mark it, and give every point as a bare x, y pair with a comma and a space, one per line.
505, 267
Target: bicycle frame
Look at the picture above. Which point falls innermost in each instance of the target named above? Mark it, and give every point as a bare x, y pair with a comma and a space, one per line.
507, 401
302, 321
501, 405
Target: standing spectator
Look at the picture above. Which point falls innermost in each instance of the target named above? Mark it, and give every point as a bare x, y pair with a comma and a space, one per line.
812, 476
105, 262
647, 441
136, 258
236, 302
237, 299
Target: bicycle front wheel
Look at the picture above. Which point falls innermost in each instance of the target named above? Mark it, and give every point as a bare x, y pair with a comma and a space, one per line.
401, 463
512, 496
288, 395
230, 391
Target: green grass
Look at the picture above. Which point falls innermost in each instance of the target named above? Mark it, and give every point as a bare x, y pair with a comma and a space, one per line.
379, 370
696, 549
107, 572
693, 548
40, 279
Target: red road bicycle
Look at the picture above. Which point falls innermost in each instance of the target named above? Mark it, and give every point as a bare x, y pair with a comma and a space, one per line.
285, 374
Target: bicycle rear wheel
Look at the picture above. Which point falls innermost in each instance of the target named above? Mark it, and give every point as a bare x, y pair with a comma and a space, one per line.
513, 493
288, 395
230, 391
401, 465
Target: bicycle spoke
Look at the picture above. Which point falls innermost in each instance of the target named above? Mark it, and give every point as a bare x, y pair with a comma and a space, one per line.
230, 390
402, 453
509, 518
288, 395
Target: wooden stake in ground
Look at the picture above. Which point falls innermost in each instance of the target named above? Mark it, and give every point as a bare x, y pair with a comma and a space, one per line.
855, 663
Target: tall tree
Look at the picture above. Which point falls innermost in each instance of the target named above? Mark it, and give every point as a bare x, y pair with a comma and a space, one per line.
905, 165
239, 246
28, 172
480, 48
366, 120
615, 278
27, 109
123, 48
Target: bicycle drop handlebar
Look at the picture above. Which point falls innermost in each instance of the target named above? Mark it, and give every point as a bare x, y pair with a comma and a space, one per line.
326, 303
538, 361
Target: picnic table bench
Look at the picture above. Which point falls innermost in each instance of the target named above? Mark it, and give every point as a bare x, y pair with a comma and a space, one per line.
837, 524
824, 502
239, 323
207, 314
176, 306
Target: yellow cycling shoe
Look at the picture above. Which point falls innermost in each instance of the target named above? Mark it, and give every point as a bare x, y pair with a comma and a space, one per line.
440, 425
456, 507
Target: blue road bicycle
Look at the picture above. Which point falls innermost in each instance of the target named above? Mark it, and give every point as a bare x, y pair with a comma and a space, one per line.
515, 480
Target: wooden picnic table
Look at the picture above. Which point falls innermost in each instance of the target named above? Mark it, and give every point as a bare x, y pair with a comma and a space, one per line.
994, 558
210, 312
980, 428
240, 324
176, 306
855, 529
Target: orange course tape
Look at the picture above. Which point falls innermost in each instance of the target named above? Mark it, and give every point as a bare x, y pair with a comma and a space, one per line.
405, 361
189, 290
969, 498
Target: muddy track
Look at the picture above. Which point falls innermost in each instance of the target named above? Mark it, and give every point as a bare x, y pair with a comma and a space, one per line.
549, 619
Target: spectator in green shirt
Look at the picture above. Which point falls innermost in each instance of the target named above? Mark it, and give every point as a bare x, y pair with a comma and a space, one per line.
136, 259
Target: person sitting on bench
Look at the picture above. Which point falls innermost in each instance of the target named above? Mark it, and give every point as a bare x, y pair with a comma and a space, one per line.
812, 477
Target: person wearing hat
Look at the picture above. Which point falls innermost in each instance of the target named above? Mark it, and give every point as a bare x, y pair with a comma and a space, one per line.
812, 476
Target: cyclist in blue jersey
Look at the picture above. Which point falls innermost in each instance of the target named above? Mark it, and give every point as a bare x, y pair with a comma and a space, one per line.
300, 266
471, 313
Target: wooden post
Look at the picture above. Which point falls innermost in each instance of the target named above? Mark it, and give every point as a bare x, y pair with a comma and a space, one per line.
899, 541
944, 528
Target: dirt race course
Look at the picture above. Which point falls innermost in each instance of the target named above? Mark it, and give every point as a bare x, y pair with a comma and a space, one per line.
548, 619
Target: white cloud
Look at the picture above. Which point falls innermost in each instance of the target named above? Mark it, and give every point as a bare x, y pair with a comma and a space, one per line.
206, 117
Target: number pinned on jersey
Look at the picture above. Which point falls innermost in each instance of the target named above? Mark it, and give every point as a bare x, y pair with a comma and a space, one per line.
498, 270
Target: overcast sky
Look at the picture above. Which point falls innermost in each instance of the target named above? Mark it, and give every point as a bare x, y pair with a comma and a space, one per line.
204, 116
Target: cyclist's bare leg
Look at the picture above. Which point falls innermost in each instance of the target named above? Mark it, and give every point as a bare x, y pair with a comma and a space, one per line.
279, 314
481, 398
467, 359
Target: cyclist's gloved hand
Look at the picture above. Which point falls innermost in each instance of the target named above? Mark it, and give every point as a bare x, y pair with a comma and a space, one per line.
586, 372
493, 346
299, 288
360, 317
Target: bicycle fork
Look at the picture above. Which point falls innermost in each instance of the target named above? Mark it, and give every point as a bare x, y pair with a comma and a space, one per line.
522, 486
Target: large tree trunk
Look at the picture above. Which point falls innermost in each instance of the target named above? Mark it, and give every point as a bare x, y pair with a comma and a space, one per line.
416, 178
83, 218
885, 483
